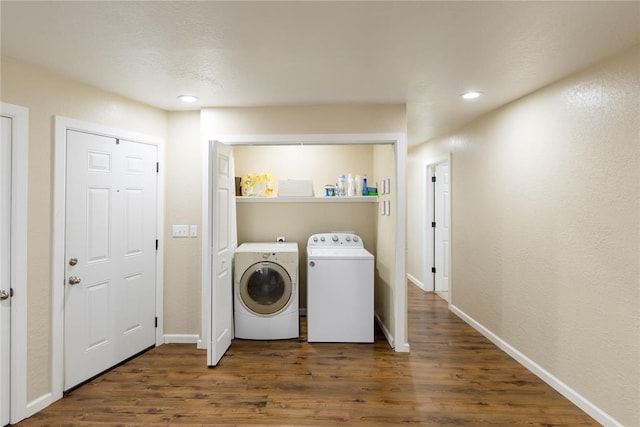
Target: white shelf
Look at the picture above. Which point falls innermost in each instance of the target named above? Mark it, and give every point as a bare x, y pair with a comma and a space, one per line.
318, 199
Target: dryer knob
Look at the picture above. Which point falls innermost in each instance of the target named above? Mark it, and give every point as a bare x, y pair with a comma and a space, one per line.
315, 238
348, 239
334, 238
322, 239
355, 238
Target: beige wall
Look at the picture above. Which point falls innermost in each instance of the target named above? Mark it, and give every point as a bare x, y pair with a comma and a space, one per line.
182, 267
320, 163
46, 95
384, 167
546, 227
304, 119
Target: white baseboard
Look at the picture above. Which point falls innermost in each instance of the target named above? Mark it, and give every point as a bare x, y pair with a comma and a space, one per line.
417, 282
181, 339
562, 388
39, 403
385, 331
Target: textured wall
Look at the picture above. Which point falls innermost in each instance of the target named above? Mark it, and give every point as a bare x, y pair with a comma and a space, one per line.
47, 95
182, 267
546, 227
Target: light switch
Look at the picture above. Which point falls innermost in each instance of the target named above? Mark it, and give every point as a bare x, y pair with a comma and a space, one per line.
180, 231
193, 231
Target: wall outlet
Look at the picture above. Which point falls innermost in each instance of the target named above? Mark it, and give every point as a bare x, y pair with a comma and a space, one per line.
180, 231
281, 239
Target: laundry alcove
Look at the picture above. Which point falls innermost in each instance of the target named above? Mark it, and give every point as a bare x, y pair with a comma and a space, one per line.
320, 158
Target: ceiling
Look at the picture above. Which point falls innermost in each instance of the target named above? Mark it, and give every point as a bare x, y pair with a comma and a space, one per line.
240, 53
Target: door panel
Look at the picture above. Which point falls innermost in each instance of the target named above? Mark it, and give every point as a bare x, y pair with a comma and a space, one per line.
134, 221
98, 224
97, 313
110, 230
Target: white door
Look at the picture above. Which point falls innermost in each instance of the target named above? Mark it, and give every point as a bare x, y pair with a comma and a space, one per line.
223, 245
110, 253
5, 272
442, 207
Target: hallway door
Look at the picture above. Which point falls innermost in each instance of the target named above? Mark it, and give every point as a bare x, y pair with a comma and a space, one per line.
442, 207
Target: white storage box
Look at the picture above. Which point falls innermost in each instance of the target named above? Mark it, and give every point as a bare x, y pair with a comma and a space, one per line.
295, 188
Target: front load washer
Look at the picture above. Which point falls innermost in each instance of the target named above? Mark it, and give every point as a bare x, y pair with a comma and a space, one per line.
266, 291
339, 289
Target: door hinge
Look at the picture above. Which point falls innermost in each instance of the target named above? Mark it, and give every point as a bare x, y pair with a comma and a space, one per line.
433, 179
433, 224
433, 269
156, 322
156, 244
157, 167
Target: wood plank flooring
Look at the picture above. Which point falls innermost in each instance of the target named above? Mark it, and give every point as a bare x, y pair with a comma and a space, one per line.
452, 376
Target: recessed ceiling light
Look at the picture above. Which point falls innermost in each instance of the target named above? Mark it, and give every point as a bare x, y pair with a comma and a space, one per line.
471, 94
188, 98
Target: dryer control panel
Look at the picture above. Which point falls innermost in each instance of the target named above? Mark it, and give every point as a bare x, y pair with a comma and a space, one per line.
329, 240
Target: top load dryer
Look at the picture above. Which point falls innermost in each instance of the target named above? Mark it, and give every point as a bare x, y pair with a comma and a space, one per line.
339, 289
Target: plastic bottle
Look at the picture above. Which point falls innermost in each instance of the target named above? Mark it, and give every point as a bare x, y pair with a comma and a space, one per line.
340, 191
365, 191
351, 189
358, 182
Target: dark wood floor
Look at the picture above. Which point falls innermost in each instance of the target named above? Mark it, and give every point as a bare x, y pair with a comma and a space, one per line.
453, 376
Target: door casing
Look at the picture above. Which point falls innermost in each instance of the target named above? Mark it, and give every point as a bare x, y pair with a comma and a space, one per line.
18, 262
62, 124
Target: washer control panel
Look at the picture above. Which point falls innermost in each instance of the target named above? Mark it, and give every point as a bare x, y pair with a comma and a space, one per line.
335, 240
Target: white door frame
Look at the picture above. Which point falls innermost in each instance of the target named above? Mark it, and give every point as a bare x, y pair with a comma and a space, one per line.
62, 124
398, 140
429, 232
19, 196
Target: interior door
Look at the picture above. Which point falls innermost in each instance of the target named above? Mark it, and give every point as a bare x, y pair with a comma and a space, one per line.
442, 204
5, 268
223, 245
110, 253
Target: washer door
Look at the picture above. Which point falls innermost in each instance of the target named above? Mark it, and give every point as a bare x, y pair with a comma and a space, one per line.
265, 288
